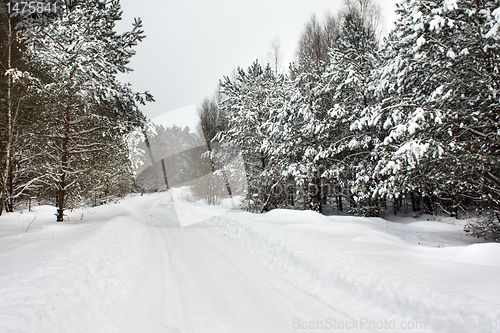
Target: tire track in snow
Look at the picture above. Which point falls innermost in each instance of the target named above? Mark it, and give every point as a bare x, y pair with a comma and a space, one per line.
363, 288
187, 304
293, 300
186, 310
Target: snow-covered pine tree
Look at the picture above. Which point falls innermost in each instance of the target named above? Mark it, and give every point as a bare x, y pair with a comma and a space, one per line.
300, 125
79, 55
248, 101
441, 104
348, 86
305, 129
327, 98
19, 121
108, 172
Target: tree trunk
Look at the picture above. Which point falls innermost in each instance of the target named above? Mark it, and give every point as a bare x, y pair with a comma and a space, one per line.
225, 178
319, 195
264, 208
224, 174
61, 196
165, 179
10, 199
3, 191
427, 202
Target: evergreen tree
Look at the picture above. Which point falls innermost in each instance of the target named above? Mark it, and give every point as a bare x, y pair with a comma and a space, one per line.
79, 54
323, 106
249, 101
440, 104
348, 85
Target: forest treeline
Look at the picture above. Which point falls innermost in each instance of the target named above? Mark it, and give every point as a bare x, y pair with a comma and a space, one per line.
356, 124
361, 124
65, 117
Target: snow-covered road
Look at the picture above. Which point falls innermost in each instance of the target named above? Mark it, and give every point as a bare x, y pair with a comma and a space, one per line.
289, 271
142, 266
195, 280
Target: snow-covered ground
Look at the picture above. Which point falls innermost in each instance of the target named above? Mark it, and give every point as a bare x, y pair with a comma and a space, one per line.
131, 267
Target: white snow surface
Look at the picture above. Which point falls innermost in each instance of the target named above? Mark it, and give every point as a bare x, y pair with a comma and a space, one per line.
131, 267
67, 277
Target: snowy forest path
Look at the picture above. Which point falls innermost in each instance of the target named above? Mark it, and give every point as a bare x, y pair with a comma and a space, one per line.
194, 280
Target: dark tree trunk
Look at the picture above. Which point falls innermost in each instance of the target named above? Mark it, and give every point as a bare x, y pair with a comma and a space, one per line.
226, 182
305, 195
165, 179
319, 195
61, 195
427, 201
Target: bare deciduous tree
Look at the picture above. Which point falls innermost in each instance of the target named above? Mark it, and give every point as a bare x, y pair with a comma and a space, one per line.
211, 123
275, 55
368, 10
317, 39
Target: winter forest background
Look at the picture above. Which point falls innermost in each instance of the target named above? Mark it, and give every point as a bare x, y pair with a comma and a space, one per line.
357, 124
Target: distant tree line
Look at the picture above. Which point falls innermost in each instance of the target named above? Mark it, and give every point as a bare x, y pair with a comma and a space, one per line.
64, 116
358, 124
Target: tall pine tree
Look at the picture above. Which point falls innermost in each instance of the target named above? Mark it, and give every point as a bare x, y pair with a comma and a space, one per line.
80, 55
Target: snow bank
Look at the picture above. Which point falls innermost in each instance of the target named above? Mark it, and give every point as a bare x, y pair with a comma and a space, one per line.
480, 254
361, 287
83, 272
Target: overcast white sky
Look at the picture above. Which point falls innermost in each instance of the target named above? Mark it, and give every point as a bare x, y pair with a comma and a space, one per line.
191, 44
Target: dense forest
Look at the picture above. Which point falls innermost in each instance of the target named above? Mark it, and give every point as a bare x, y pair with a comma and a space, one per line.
356, 124
363, 125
